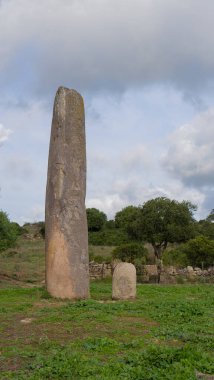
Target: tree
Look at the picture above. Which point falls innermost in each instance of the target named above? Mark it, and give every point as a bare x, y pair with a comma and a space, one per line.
210, 217
199, 251
8, 232
164, 221
127, 219
131, 253
206, 228
96, 219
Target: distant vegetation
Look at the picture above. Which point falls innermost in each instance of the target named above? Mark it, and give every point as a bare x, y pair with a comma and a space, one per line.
9, 232
134, 253
167, 225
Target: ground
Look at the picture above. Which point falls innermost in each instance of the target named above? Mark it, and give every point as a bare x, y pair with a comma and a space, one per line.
166, 333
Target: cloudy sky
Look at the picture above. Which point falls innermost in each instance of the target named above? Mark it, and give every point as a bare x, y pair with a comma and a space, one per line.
146, 71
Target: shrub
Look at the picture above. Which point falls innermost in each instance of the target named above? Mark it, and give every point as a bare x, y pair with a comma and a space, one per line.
199, 251
175, 257
8, 232
96, 219
196, 252
110, 237
132, 253
42, 230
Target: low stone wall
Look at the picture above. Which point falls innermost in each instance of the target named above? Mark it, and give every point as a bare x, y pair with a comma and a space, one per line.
99, 271
172, 275
149, 273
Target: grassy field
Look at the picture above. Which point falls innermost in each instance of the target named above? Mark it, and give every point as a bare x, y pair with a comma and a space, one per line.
25, 264
166, 333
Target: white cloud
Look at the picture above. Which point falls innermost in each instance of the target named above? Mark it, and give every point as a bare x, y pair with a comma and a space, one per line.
108, 203
4, 133
106, 44
18, 167
135, 191
190, 154
137, 158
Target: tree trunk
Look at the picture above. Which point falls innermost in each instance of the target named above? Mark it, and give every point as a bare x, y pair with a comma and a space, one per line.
158, 250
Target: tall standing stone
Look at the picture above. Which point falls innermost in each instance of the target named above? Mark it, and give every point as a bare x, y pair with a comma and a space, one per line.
66, 233
124, 282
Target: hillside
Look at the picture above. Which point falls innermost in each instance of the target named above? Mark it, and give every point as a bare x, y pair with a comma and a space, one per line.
24, 265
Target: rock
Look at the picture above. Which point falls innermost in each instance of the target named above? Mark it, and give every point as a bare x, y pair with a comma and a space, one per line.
198, 271
190, 269
204, 376
66, 234
152, 270
172, 271
205, 272
166, 278
124, 282
26, 321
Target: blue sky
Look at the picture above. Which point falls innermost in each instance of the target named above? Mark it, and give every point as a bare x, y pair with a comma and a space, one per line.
146, 71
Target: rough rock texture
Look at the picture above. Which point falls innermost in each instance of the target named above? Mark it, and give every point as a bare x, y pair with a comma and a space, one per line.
147, 274
124, 281
67, 263
99, 271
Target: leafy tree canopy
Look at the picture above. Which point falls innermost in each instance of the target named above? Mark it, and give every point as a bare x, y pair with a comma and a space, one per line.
8, 232
96, 219
131, 253
206, 228
199, 251
128, 220
166, 221
210, 217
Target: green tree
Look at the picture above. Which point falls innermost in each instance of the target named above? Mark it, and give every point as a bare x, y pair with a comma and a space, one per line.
131, 253
96, 219
206, 228
8, 232
128, 219
199, 251
210, 217
164, 221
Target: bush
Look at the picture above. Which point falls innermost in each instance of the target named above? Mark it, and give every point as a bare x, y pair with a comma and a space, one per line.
9, 232
197, 252
42, 230
131, 253
175, 257
110, 237
96, 219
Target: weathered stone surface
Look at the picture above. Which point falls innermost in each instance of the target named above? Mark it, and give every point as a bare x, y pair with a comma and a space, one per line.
99, 271
67, 267
124, 281
147, 274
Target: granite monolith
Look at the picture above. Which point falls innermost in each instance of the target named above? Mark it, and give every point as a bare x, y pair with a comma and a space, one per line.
66, 233
124, 282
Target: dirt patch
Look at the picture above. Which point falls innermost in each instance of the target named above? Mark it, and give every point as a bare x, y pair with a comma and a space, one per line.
135, 319
6, 280
48, 304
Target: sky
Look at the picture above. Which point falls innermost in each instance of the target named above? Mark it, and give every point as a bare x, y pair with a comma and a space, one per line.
145, 69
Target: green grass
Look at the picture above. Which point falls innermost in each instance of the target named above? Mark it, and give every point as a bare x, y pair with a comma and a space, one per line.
166, 333
25, 264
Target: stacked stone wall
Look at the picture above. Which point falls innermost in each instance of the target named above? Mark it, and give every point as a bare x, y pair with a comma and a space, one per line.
149, 273
99, 271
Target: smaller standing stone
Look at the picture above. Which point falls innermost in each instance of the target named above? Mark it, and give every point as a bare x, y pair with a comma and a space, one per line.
124, 282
